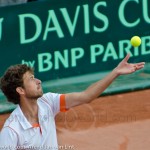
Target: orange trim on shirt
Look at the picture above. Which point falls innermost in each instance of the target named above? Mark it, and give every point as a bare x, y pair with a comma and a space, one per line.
63, 103
35, 125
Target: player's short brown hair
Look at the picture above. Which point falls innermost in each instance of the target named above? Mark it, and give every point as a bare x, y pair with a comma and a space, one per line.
13, 78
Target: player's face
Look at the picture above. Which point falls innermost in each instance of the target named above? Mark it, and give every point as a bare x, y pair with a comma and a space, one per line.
32, 86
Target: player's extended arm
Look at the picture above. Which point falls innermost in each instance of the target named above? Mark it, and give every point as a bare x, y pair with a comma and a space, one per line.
93, 91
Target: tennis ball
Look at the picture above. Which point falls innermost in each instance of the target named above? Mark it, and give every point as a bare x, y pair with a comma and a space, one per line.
135, 41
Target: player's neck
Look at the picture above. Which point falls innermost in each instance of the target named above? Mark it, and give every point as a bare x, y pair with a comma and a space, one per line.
30, 110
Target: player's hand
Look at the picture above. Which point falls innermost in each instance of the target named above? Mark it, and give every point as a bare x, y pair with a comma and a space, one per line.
126, 68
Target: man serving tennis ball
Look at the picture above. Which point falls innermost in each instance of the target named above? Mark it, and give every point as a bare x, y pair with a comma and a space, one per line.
31, 125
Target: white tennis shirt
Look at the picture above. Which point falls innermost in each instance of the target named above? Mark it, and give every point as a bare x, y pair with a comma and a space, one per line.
18, 133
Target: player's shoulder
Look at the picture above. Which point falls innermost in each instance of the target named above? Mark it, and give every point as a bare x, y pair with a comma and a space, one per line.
49, 96
12, 121
49, 100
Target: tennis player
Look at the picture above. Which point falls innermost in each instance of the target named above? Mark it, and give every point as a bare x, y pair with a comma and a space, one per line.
32, 124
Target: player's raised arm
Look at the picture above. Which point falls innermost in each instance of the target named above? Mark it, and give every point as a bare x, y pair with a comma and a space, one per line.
93, 91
